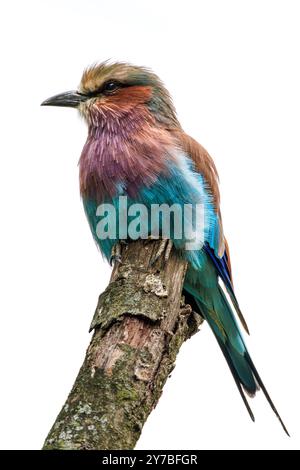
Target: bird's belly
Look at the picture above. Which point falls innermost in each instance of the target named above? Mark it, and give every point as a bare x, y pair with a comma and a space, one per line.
174, 206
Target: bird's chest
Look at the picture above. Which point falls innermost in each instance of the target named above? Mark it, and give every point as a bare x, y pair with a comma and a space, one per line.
114, 162
117, 172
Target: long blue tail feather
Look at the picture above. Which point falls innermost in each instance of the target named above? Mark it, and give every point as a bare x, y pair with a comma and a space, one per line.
212, 304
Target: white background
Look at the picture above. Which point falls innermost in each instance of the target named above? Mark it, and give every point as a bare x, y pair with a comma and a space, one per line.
233, 70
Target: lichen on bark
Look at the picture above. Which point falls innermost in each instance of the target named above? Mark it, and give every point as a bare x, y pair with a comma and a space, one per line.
139, 326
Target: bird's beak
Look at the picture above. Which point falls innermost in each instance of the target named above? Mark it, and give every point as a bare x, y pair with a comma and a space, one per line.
70, 99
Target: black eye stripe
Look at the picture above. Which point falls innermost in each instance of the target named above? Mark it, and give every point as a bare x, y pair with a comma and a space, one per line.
105, 88
111, 86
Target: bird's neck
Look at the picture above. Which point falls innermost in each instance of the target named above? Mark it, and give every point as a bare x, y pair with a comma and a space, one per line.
123, 153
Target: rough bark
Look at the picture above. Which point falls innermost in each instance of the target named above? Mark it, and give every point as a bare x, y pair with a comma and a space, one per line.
139, 325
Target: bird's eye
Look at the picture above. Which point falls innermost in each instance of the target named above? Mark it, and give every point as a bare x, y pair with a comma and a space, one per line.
110, 86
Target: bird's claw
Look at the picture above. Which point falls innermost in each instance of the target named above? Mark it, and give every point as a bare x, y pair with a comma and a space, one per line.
164, 251
115, 259
116, 254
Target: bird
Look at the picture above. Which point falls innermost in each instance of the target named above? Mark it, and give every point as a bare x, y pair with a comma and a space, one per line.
136, 148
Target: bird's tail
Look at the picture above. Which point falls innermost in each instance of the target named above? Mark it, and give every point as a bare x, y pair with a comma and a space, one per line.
226, 330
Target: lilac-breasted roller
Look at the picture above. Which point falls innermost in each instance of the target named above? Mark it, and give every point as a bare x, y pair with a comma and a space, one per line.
137, 148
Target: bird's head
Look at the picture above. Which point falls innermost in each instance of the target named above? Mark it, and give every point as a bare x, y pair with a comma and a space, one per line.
114, 91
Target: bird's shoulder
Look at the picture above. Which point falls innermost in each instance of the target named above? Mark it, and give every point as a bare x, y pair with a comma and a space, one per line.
203, 162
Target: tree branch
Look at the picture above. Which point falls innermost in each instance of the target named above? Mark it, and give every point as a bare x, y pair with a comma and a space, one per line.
140, 324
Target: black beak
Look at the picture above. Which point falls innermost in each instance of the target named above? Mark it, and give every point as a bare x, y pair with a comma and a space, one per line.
70, 99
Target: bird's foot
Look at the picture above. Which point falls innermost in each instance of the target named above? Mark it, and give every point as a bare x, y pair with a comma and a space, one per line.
116, 252
163, 252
